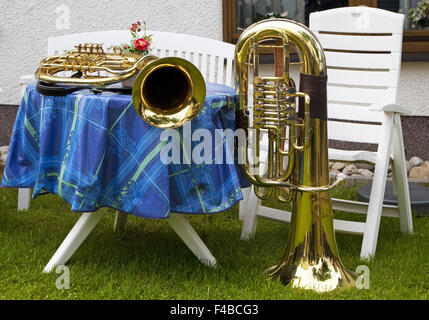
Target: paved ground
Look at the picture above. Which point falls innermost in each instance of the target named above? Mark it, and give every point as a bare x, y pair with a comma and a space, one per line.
7, 119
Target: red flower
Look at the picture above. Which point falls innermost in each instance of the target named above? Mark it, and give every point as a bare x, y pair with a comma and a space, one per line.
141, 44
133, 28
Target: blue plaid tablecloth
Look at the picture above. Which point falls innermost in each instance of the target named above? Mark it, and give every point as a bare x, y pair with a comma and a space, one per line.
94, 151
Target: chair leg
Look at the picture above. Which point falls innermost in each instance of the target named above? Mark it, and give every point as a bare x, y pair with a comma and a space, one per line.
243, 203
24, 197
400, 179
120, 221
375, 206
251, 217
74, 239
188, 235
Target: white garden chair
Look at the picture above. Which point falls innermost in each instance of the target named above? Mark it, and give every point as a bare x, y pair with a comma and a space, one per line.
215, 61
363, 49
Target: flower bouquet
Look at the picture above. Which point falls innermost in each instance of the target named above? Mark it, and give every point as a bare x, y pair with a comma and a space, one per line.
139, 45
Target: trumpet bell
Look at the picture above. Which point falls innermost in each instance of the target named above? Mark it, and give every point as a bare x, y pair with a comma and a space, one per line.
169, 92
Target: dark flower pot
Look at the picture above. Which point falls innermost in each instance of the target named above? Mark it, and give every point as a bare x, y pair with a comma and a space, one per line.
391, 5
422, 24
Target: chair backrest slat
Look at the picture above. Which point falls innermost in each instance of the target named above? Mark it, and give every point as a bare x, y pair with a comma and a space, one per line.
361, 42
361, 95
220, 69
212, 68
229, 78
346, 131
381, 79
342, 111
108, 39
389, 61
357, 20
203, 68
363, 48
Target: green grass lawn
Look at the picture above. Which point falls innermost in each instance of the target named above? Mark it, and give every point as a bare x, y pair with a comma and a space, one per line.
149, 261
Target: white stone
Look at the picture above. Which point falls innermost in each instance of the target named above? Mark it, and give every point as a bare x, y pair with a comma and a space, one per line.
413, 162
416, 161
338, 166
419, 173
425, 164
3, 158
365, 166
366, 173
350, 169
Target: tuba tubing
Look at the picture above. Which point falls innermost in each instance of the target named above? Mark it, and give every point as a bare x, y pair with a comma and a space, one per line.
298, 121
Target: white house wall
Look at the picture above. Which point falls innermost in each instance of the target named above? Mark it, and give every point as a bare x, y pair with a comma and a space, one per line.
26, 25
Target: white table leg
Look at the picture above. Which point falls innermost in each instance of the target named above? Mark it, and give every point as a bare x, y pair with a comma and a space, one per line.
188, 235
74, 239
251, 217
88, 221
120, 221
24, 197
242, 209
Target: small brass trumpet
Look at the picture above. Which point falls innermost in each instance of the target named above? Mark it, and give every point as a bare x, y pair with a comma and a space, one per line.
167, 92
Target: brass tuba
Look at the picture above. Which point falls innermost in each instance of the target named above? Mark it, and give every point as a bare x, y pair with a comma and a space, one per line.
297, 150
166, 93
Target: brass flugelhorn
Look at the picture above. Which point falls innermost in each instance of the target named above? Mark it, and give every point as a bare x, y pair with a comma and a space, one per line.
166, 93
294, 125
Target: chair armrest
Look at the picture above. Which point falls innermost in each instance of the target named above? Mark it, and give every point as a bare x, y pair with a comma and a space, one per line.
26, 79
390, 108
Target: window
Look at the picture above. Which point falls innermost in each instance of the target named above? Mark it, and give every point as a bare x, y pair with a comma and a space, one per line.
239, 14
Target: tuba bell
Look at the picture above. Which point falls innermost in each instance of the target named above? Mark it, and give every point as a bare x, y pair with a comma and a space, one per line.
293, 126
166, 93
